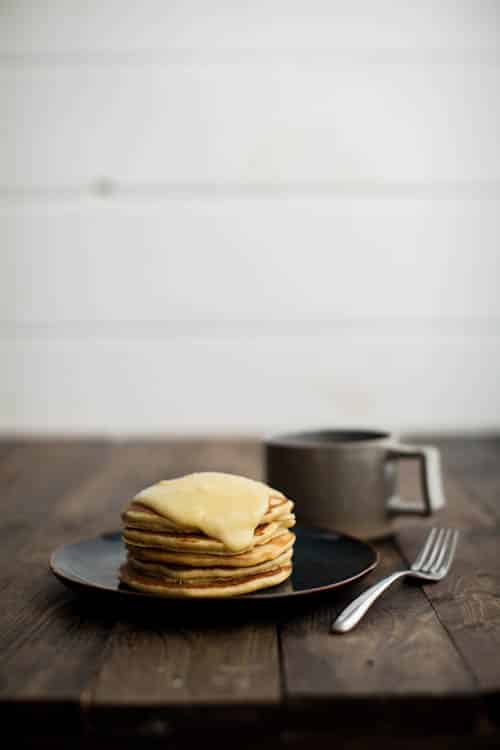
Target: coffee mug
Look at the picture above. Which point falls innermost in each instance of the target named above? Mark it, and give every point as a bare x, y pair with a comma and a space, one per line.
346, 480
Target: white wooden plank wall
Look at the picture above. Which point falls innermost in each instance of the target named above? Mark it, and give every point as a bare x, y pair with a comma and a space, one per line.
234, 216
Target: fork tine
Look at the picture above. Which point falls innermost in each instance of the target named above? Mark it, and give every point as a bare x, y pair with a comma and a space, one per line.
444, 548
450, 554
425, 549
434, 552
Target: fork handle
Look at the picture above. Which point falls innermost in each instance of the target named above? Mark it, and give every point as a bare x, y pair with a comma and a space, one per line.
352, 614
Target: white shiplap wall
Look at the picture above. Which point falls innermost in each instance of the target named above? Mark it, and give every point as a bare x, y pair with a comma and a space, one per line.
230, 216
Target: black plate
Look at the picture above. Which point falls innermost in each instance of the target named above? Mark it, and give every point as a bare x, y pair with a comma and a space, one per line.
322, 560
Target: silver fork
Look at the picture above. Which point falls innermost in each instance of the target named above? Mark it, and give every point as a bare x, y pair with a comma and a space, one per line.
432, 564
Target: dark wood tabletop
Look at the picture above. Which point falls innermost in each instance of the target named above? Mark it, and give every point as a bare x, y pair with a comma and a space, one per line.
423, 667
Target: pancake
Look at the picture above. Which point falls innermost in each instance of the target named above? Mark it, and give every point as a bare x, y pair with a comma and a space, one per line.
178, 573
215, 588
208, 535
259, 554
200, 543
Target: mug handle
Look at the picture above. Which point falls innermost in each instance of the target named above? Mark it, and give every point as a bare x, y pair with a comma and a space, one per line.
430, 478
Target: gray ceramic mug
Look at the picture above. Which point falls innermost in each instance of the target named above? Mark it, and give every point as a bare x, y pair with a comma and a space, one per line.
346, 480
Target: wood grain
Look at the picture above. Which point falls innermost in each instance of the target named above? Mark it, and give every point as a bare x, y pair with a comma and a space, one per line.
46, 649
169, 660
467, 603
400, 650
176, 672
477, 465
6, 447
422, 661
36, 479
409, 659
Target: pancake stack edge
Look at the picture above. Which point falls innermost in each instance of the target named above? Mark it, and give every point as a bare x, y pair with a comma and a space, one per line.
168, 560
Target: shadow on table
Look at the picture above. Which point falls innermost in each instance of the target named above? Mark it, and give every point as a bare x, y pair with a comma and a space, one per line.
144, 612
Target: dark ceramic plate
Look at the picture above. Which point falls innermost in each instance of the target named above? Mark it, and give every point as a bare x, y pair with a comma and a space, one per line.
322, 560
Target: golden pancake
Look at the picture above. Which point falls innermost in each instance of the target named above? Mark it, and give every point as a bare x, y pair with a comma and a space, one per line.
216, 588
178, 573
199, 543
259, 554
208, 535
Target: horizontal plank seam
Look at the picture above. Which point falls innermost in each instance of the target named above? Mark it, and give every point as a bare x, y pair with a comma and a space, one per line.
204, 56
127, 330
108, 188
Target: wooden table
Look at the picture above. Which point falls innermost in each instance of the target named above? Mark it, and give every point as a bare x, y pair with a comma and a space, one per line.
423, 667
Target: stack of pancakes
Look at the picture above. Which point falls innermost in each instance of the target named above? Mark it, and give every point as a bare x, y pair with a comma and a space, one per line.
167, 558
